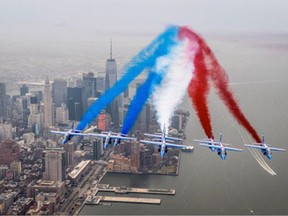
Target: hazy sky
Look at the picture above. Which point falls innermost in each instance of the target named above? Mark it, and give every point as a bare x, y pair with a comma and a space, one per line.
56, 20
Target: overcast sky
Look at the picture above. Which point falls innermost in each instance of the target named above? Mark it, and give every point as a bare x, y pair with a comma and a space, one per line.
87, 19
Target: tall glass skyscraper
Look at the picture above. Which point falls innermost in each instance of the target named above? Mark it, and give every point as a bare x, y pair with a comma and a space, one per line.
110, 79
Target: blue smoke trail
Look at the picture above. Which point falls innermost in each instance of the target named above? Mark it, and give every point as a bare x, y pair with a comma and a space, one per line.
145, 59
142, 95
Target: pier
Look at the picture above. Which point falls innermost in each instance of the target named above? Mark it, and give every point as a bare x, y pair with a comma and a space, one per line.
97, 199
126, 190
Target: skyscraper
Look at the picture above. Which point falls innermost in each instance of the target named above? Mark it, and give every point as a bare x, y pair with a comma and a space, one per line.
54, 164
59, 92
89, 88
135, 156
75, 102
48, 105
69, 154
110, 79
3, 102
97, 148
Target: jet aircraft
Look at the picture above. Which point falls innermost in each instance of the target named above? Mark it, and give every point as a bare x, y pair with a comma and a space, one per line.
163, 144
265, 148
69, 134
209, 141
108, 136
220, 147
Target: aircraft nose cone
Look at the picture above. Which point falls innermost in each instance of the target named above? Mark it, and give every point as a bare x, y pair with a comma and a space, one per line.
269, 157
223, 157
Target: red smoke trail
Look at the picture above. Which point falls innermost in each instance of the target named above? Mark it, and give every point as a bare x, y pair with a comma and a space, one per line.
199, 87
207, 65
220, 80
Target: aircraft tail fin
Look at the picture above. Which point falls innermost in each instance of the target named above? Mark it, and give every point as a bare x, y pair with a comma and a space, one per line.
72, 127
263, 139
220, 139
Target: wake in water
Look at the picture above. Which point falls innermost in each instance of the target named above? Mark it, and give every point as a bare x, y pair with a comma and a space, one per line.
257, 155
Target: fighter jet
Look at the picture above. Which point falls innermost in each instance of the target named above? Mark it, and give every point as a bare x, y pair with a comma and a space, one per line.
209, 141
265, 148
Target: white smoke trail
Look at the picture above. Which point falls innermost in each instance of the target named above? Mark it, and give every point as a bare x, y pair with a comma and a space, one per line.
255, 153
258, 157
173, 87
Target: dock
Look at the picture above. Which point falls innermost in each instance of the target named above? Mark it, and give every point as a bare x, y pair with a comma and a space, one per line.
126, 190
94, 199
97, 199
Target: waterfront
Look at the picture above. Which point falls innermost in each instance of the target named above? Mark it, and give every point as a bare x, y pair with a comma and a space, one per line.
239, 185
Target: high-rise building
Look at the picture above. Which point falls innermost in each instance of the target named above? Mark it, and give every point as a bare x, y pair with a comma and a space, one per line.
3, 102
110, 80
103, 121
25, 111
89, 88
48, 106
135, 156
59, 92
61, 114
5, 131
54, 164
100, 84
16, 167
9, 152
97, 148
35, 119
69, 154
23, 90
75, 101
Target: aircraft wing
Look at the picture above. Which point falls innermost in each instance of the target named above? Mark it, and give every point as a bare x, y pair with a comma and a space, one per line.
152, 135
173, 138
58, 132
121, 137
206, 141
210, 146
151, 142
160, 136
79, 134
255, 146
233, 149
276, 149
171, 145
98, 135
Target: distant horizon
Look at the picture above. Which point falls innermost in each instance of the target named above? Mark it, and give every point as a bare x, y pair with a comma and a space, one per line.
74, 20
